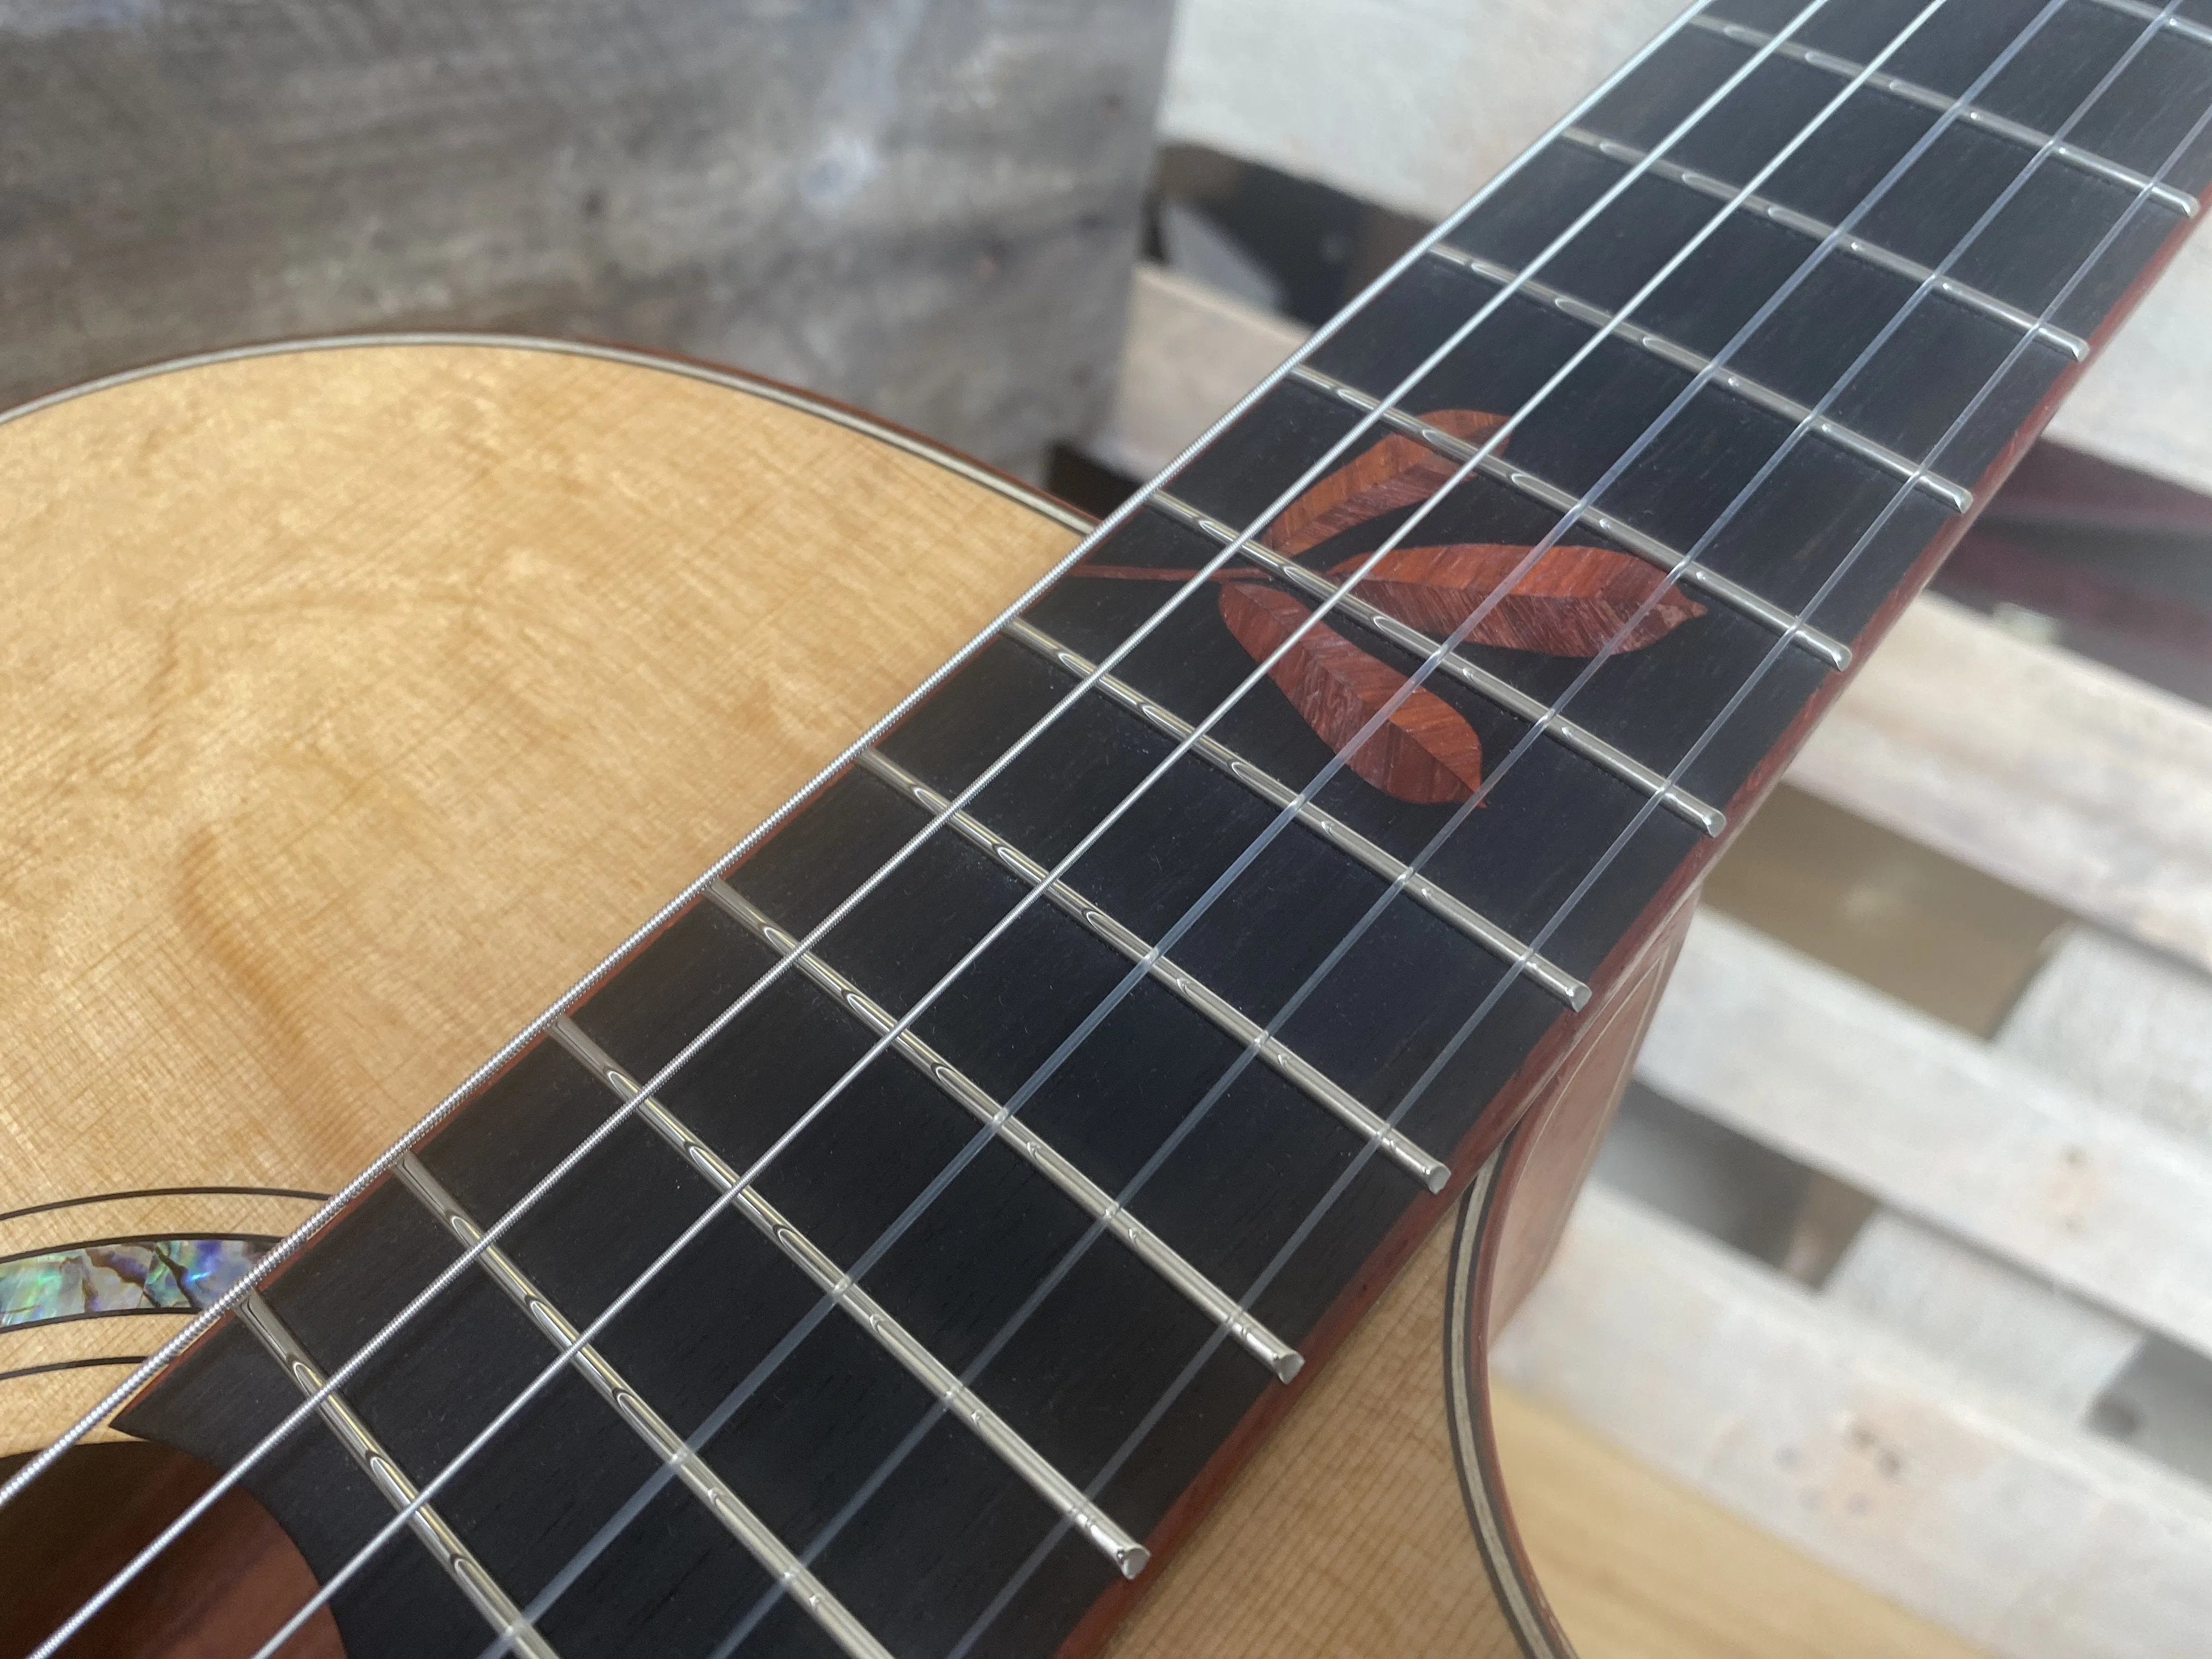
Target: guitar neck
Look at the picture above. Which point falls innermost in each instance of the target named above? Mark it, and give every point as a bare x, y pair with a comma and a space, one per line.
978, 1160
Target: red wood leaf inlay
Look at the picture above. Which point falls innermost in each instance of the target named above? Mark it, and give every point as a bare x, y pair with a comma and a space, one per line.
1395, 472
1423, 752
1569, 604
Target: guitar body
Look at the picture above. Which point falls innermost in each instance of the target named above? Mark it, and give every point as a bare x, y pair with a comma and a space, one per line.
364, 698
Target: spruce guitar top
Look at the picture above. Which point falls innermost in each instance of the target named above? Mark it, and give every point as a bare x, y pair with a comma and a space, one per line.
952, 1037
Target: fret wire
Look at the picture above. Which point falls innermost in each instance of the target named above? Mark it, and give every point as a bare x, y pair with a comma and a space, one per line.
2144, 14
1955, 496
516, 1045
1928, 98
962, 1403
1431, 1172
1804, 224
391, 1482
1270, 1350
1472, 922
1676, 563
759, 1540
1553, 724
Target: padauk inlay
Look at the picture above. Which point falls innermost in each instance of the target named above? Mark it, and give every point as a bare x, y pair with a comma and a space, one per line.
1569, 601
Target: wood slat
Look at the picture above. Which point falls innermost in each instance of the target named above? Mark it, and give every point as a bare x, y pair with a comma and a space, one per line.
2121, 1025
1931, 1122
1385, 111
1638, 1566
2028, 1537
2014, 1330
2046, 770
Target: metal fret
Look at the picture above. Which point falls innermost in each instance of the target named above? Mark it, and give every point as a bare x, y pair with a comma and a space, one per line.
1804, 224
1911, 92
1340, 835
1733, 594
1431, 1172
2146, 14
748, 1529
1277, 1355
1548, 719
1956, 496
385, 1473
1127, 1554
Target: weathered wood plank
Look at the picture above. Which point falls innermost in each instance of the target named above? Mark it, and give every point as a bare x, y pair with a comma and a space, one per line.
2015, 1331
1410, 104
2033, 1539
1933, 1123
2121, 1025
2046, 770
1190, 353
927, 207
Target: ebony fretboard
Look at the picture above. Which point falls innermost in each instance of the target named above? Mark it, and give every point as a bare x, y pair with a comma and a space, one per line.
1267, 1017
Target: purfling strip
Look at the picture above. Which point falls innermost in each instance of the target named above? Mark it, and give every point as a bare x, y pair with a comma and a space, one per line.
1476, 925
1277, 1355
1956, 496
1127, 1555
748, 1529
384, 1473
1804, 224
1503, 692
1911, 92
1678, 564
1431, 1172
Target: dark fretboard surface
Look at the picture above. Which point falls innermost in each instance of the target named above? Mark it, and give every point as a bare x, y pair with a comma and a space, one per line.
959, 1176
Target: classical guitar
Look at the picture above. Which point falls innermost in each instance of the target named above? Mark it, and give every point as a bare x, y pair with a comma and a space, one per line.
952, 1037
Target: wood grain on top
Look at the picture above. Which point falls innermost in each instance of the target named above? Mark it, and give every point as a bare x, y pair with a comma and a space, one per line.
359, 702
